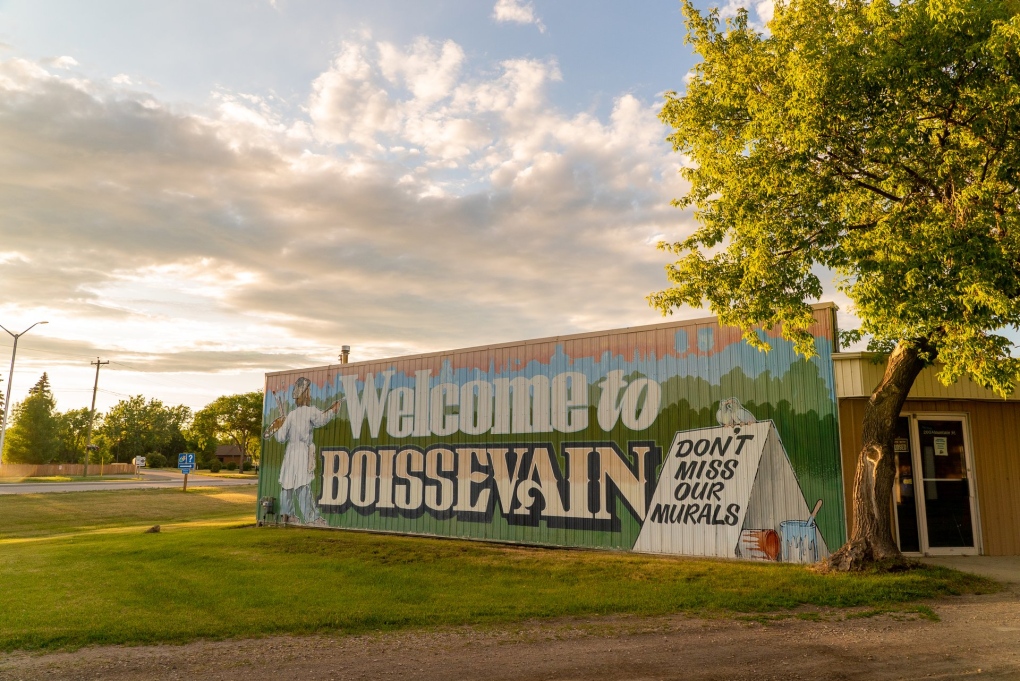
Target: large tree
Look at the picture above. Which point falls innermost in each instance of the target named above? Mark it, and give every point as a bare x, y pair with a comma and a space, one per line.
202, 436
73, 430
236, 418
877, 141
134, 427
34, 434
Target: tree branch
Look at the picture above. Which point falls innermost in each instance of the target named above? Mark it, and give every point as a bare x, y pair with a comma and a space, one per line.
813, 238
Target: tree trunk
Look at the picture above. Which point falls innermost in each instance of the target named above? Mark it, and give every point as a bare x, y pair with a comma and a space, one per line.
871, 538
241, 468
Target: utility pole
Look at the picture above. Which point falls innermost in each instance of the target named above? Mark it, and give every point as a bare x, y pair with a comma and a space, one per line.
92, 415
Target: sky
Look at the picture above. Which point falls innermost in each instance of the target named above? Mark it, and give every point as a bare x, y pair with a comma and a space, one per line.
203, 192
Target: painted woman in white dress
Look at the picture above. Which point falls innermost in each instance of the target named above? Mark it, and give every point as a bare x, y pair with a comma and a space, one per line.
298, 468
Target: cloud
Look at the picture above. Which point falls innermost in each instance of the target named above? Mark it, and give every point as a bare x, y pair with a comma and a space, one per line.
517, 12
419, 202
64, 62
764, 10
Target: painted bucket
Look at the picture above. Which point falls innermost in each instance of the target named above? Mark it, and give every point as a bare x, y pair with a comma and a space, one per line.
800, 541
760, 544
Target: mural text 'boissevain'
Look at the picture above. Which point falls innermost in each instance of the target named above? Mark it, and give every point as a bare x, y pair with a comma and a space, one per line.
675, 438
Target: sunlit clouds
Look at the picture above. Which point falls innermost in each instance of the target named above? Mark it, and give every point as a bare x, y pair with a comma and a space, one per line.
419, 197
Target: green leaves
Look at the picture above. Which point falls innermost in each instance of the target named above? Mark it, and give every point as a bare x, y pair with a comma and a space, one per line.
34, 434
876, 141
73, 427
235, 418
134, 427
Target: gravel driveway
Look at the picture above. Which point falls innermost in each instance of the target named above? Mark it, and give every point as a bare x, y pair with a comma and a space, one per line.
976, 637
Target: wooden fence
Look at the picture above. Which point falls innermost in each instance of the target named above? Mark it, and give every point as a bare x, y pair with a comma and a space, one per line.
24, 470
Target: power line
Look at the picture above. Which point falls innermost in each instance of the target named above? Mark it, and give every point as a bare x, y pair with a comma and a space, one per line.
111, 392
50, 352
143, 374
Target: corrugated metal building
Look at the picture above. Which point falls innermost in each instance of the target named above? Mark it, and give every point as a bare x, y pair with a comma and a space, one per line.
674, 438
670, 438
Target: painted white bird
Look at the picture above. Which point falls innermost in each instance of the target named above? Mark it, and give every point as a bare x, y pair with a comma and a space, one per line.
730, 413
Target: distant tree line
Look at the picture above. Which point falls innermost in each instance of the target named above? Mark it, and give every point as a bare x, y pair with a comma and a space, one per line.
39, 434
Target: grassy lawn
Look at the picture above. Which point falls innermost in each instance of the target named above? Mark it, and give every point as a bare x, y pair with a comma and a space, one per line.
205, 472
52, 515
76, 569
232, 475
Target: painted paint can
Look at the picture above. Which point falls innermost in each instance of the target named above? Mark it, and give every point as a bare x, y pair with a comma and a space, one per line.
800, 541
760, 544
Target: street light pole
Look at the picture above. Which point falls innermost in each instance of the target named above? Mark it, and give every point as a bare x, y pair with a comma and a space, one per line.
10, 377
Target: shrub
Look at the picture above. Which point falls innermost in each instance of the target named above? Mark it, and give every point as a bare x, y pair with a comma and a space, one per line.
155, 460
247, 465
215, 466
232, 466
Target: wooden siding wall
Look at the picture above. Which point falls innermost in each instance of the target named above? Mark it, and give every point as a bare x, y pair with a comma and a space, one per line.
995, 437
857, 375
27, 470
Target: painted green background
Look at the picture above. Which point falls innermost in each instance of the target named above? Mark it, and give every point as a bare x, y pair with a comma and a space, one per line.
798, 397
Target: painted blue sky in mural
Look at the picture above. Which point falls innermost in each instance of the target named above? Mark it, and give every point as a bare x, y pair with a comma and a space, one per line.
751, 362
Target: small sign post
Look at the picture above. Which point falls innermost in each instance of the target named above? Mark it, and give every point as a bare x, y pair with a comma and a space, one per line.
186, 463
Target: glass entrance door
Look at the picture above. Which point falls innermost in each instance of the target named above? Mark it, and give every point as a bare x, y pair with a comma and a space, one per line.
935, 506
943, 488
907, 530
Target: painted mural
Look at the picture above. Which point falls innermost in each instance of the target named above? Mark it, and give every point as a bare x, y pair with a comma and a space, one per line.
675, 438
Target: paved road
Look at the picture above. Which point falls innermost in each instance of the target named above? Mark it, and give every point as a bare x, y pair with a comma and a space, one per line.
150, 480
